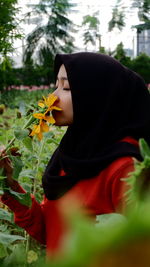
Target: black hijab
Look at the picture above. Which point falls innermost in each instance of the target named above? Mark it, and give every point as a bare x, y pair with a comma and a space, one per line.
110, 102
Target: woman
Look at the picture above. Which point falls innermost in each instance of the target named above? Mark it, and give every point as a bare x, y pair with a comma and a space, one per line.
107, 109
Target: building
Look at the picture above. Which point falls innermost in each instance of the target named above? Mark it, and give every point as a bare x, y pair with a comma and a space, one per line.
143, 39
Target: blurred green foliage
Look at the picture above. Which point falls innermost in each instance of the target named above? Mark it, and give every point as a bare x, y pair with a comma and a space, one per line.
16, 247
140, 64
34, 74
22, 99
30, 74
8, 25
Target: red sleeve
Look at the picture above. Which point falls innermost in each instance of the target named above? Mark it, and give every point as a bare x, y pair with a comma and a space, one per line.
120, 187
31, 219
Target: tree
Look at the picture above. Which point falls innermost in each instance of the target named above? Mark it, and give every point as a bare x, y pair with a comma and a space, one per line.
8, 33
102, 50
120, 55
143, 14
6, 75
8, 25
143, 9
117, 20
119, 12
91, 29
46, 60
52, 35
141, 65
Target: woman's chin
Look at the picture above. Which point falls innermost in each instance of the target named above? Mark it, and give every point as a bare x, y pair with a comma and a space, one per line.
57, 117
60, 123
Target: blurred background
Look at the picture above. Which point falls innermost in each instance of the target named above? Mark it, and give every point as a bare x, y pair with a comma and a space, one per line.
33, 31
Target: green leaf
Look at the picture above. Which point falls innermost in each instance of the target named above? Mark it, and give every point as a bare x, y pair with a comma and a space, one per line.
3, 186
3, 251
6, 239
3, 228
28, 173
22, 198
17, 165
17, 258
5, 215
144, 148
27, 187
27, 141
21, 134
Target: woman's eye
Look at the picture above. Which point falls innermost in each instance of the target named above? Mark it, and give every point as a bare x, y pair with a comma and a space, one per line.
66, 89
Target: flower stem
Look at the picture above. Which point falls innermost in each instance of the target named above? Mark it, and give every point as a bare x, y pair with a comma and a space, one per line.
29, 122
37, 167
10, 143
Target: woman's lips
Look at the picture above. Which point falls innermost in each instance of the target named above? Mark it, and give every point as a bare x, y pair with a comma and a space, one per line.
55, 112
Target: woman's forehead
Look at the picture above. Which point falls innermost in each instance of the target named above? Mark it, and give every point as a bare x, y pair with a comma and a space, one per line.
62, 72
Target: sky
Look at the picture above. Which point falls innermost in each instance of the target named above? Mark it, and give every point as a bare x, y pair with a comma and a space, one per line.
88, 7
105, 15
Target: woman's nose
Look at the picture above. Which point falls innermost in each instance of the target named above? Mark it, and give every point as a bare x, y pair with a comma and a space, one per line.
56, 93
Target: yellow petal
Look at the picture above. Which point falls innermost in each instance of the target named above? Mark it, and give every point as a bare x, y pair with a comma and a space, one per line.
45, 127
32, 133
37, 130
44, 100
38, 116
51, 99
40, 136
41, 104
55, 108
34, 130
50, 119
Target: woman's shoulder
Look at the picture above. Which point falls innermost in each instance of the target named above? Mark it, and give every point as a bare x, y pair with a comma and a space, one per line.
124, 162
119, 168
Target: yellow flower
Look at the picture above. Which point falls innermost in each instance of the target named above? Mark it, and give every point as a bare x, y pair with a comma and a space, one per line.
39, 129
48, 102
43, 117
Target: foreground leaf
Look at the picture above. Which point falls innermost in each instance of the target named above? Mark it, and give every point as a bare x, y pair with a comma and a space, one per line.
3, 251
28, 143
6, 239
144, 148
5, 215
17, 165
21, 134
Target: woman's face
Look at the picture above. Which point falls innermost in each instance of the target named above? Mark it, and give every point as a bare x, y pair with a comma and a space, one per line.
64, 101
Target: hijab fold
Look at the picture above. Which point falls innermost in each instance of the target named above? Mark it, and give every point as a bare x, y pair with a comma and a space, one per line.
110, 102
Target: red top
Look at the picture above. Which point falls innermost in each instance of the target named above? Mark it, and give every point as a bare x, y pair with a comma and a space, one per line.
99, 195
